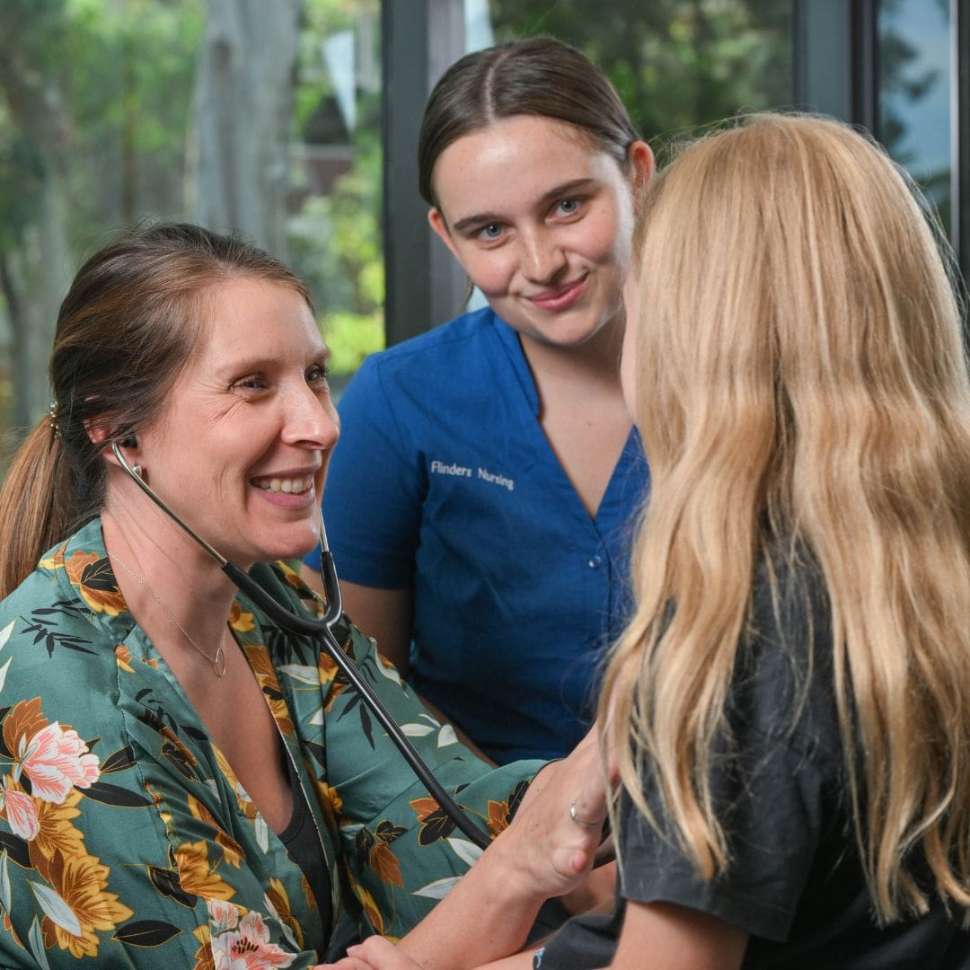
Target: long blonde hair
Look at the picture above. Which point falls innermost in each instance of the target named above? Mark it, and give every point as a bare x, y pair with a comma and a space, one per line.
801, 380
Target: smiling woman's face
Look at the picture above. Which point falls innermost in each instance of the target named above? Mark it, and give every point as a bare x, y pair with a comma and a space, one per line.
541, 222
241, 448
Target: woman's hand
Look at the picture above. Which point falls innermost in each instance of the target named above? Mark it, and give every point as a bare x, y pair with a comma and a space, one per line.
375, 953
553, 838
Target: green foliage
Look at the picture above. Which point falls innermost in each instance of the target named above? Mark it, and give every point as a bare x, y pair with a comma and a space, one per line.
677, 64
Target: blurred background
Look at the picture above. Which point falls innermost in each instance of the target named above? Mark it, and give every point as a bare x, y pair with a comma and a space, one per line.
295, 123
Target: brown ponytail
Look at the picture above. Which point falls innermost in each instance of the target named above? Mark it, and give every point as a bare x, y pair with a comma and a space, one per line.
32, 507
125, 329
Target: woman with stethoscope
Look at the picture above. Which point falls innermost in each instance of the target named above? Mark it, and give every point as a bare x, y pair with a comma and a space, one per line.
481, 498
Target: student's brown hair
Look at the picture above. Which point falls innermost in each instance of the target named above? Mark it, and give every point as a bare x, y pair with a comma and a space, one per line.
540, 76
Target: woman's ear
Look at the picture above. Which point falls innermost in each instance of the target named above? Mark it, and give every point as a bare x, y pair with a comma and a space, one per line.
437, 222
642, 164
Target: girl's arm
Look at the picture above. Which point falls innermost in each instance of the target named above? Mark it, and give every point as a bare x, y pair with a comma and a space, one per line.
677, 938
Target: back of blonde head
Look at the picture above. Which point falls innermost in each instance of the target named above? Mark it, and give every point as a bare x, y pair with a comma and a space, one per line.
801, 381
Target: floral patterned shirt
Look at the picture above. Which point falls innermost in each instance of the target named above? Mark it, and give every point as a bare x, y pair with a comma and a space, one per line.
127, 841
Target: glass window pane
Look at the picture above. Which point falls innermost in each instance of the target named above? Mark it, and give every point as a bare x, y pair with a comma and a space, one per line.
114, 111
676, 65
914, 92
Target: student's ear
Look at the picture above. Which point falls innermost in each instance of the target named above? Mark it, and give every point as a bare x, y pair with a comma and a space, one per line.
642, 164
437, 222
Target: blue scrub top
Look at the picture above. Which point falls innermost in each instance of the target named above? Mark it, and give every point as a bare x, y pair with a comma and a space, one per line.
444, 481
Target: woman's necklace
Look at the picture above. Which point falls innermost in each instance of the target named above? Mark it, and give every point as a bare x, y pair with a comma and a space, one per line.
217, 661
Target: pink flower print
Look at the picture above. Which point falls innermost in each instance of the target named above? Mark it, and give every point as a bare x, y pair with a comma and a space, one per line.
55, 760
223, 915
249, 948
21, 812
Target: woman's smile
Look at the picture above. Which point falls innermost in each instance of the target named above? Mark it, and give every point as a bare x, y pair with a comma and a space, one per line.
561, 297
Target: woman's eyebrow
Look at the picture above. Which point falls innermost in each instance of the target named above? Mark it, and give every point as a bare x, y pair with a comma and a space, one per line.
557, 191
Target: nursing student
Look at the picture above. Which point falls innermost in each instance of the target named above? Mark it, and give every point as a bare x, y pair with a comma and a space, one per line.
481, 498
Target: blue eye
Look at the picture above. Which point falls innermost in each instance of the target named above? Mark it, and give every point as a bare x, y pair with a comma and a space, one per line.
317, 374
491, 232
568, 207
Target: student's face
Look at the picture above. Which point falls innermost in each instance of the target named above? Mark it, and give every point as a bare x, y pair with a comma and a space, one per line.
541, 222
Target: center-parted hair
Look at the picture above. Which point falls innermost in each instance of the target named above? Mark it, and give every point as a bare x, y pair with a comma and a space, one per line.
540, 76
127, 326
802, 385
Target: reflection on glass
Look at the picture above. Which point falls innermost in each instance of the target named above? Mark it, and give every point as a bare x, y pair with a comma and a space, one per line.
676, 65
914, 92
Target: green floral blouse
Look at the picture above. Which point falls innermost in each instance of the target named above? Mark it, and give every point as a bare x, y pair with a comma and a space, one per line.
127, 841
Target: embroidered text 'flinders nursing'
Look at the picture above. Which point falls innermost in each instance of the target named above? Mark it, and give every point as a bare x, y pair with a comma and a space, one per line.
462, 471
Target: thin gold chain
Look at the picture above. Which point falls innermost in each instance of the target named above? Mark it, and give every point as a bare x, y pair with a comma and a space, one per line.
217, 661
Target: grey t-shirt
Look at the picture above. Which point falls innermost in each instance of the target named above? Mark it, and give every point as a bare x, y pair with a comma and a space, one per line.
795, 883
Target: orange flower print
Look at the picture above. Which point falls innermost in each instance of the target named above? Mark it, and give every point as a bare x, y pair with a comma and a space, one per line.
96, 583
369, 905
231, 850
278, 904
262, 666
203, 956
383, 861
330, 800
55, 760
197, 874
22, 722
19, 810
498, 817
247, 946
240, 620
55, 560
57, 834
123, 658
80, 882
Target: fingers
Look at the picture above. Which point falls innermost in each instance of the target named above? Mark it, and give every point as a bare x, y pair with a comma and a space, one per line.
377, 953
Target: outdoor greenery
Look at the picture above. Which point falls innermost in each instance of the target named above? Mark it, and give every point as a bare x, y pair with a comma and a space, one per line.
105, 120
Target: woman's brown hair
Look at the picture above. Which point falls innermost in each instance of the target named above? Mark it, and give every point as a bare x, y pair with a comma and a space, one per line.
125, 329
540, 76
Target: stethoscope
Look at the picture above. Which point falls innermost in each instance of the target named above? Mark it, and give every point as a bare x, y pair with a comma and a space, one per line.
322, 630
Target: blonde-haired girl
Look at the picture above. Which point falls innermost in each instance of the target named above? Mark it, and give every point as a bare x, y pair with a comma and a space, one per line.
790, 706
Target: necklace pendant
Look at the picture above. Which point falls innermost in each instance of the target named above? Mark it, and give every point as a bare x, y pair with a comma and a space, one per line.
219, 662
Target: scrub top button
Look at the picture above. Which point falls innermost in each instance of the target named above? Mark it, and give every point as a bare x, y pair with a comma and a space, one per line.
595, 562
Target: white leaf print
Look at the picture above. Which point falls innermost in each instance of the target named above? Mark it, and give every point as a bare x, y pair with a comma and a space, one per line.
305, 675
390, 673
317, 718
416, 730
262, 833
36, 940
433, 720
447, 736
3, 673
468, 852
55, 908
4, 882
438, 889
5, 633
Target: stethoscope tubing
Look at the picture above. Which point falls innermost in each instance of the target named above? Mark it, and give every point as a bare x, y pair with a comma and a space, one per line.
321, 630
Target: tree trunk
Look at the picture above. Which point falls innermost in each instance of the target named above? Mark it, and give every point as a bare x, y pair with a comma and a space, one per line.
244, 106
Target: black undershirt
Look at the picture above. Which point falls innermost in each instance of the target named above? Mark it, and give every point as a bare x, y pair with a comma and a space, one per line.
302, 843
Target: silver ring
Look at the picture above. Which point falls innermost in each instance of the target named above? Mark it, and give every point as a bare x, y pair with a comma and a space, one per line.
582, 821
